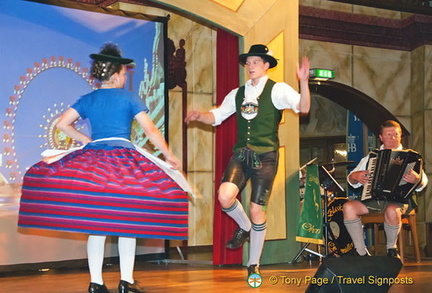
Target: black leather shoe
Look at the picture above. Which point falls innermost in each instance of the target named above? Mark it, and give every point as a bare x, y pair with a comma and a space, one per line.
392, 252
253, 269
239, 238
96, 288
125, 287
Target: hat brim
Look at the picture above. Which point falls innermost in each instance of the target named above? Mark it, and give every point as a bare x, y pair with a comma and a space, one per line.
270, 59
110, 58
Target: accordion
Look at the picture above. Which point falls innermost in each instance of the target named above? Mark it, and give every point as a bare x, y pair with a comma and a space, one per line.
386, 171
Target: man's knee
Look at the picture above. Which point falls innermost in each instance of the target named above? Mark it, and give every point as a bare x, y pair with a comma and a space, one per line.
392, 210
347, 208
353, 209
227, 194
258, 214
225, 200
393, 213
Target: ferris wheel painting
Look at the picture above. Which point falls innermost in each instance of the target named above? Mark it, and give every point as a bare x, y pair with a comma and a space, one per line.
45, 59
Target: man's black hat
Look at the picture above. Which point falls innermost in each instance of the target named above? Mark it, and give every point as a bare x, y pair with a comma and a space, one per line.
261, 51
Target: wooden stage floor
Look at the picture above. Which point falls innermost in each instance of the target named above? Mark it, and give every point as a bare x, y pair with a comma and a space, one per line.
197, 276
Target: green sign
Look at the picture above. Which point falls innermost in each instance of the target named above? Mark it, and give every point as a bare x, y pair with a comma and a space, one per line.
321, 73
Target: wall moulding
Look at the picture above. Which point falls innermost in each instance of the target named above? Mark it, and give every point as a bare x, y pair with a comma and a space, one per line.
363, 30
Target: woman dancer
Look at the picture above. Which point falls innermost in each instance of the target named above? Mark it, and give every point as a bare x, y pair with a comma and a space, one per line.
108, 187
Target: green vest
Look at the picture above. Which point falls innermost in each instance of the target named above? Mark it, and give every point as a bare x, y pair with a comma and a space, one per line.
260, 133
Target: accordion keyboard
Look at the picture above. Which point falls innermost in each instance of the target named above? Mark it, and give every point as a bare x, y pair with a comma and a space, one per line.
367, 188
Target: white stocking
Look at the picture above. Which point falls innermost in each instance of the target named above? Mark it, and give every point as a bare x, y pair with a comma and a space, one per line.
127, 248
95, 255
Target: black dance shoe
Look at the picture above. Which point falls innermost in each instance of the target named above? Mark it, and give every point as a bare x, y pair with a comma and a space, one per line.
253, 269
393, 252
96, 288
239, 238
125, 287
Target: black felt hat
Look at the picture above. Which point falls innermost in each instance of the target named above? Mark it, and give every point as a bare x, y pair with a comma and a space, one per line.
110, 53
261, 51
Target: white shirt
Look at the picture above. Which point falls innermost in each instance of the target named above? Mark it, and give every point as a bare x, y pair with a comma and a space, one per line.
283, 96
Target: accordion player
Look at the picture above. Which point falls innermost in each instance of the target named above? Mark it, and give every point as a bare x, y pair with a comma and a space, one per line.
387, 168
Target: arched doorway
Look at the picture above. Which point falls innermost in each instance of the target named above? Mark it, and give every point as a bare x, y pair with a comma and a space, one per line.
363, 106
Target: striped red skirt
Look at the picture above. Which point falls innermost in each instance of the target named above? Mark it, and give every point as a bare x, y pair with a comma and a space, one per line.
104, 192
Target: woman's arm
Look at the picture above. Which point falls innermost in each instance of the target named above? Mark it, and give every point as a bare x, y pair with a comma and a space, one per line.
66, 125
153, 133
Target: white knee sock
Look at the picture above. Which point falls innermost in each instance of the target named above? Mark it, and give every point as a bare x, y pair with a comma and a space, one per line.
95, 255
392, 232
355, 230
237, 212
257, 238
127, 249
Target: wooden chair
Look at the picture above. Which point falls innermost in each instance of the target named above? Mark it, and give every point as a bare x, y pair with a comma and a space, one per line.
407, 219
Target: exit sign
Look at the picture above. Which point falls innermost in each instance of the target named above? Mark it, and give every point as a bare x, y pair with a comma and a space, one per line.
321, 73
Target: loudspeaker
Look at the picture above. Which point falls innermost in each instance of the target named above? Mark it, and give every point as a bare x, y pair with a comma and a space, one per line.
355, 274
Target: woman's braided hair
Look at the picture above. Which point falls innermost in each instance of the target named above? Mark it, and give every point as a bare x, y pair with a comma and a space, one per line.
102, 70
